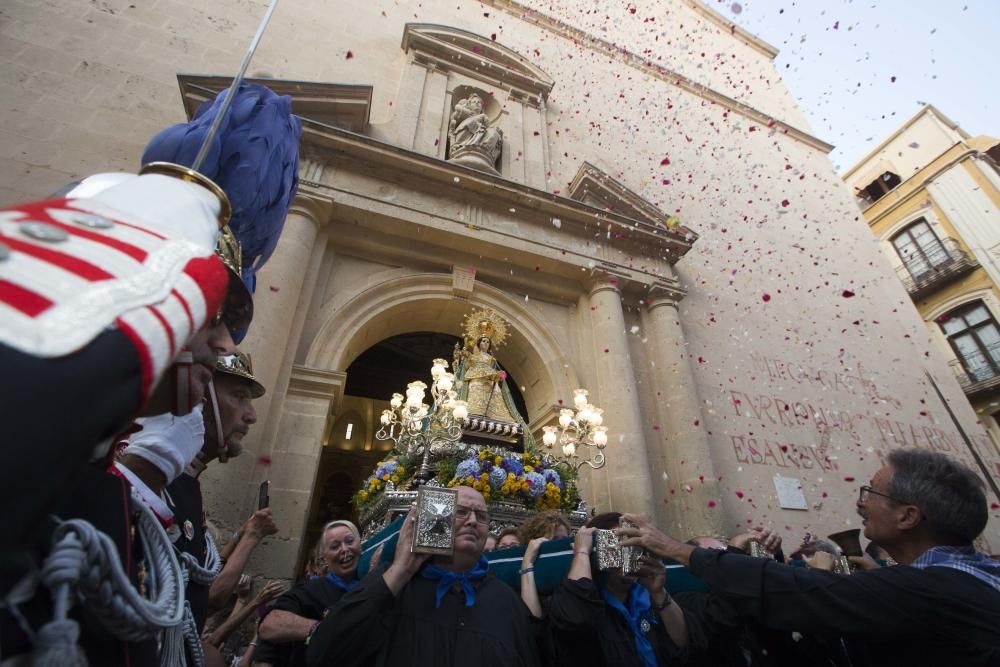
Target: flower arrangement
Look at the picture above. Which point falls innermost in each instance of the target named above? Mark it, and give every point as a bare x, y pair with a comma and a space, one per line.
392, 469
497, 473
503, 475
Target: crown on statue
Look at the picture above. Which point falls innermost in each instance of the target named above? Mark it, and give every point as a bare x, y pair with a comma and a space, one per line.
486, 323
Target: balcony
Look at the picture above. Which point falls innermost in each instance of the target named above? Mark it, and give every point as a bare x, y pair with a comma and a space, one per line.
939, 266
979, 372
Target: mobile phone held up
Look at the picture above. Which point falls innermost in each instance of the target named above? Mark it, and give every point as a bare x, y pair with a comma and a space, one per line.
263, 496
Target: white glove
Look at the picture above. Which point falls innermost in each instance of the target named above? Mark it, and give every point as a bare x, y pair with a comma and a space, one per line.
169, 442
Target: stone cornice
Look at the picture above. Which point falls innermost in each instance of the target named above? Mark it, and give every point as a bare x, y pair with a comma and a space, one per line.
747, 38
631, 59
590, 180
341, 105
658, 241
451, 48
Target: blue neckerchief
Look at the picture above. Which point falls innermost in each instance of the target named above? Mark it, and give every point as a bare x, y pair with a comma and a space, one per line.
446, 578
339, 583
965, 559
638, 606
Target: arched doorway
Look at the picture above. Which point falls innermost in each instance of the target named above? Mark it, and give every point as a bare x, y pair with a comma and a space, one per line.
351, 449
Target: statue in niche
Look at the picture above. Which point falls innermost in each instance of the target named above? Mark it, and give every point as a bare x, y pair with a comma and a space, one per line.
472, 140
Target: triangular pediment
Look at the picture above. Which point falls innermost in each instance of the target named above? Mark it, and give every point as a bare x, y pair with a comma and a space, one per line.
596, 188
482, 57
337, 105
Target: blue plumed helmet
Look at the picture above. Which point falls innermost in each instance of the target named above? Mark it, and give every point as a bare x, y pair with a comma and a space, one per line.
254, 158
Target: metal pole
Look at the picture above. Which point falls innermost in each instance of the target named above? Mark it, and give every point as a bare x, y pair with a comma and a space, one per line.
968, 442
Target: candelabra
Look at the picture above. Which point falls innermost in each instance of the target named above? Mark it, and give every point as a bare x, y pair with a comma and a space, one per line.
418, 428
579, 430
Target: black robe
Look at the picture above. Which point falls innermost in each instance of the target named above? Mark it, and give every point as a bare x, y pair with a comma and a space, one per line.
309, 599
896, 615
371, 623
585, 630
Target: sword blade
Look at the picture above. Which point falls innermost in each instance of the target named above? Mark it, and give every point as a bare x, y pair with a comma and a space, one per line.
217, 121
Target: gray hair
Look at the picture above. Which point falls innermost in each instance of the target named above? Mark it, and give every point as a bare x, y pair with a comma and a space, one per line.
950, 495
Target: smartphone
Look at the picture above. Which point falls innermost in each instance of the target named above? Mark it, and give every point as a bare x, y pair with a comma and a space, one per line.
263, 497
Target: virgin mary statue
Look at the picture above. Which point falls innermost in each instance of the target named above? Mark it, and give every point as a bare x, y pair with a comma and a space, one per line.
483, 385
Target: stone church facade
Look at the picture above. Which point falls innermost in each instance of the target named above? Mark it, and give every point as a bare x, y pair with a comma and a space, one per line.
638, 195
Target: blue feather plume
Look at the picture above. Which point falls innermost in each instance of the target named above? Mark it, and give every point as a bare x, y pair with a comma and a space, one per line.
254, 158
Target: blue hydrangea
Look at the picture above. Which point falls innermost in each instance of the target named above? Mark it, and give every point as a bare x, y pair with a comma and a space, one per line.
467, 468
388, 467
510, 464
536, 483
497, 477
552, 476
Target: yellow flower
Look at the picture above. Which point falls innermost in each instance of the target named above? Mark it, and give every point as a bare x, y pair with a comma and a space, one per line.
395, 478
498, 460
385, 476
469, 479
528, 469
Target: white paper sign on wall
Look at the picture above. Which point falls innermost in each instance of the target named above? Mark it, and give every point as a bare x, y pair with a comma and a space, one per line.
790, 494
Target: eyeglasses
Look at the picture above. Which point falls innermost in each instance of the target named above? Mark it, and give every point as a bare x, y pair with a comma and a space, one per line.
866, 490
462, 513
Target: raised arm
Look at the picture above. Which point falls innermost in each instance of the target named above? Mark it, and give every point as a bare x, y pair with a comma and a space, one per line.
257, 527
529, 591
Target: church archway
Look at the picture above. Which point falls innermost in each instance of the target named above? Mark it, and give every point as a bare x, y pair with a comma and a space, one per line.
425, 302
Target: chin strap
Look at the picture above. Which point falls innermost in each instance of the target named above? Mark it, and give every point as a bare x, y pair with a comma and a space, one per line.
196, 467
223, 448
182, 376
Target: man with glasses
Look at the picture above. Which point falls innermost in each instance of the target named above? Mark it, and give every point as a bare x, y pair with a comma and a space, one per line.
431, 611
939, 606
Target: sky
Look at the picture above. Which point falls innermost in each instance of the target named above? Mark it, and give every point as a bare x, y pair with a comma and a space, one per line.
860, 68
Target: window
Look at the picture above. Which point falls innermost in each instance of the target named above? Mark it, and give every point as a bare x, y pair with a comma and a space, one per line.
920, 249
880, 186
975, 337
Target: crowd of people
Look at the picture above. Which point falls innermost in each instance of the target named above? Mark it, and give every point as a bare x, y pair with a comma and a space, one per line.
134, 291
921, 594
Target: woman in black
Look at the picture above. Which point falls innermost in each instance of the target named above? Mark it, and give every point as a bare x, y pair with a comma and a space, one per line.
286, 628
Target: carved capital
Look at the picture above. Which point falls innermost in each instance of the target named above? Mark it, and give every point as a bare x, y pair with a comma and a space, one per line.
663, 300
316, 383
604, 284
312, 208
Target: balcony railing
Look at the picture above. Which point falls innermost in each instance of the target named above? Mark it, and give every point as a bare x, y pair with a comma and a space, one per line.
940, 265
978, 372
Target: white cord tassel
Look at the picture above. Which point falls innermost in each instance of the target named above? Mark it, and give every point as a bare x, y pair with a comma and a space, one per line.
206, 574
85, 561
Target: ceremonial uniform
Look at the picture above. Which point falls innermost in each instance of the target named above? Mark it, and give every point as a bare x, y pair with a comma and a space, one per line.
94, 305
99, 293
